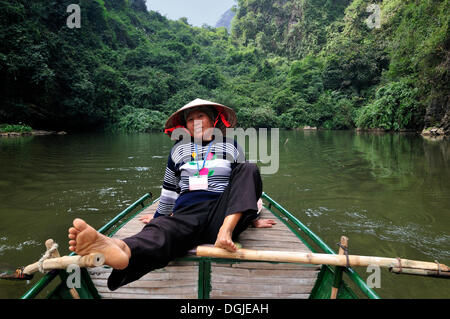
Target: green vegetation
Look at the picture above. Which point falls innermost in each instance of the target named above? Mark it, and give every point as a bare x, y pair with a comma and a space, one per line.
286, 63
19, 128
395, 106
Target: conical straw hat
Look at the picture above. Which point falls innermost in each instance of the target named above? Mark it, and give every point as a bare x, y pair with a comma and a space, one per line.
177, 118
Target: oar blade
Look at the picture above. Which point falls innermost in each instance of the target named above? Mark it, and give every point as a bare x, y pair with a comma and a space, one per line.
17, 274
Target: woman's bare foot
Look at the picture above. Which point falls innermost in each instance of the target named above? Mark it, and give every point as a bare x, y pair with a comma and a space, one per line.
263, 223
86, 240
224, 240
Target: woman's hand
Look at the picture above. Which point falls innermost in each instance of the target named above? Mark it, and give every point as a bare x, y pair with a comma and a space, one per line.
146, 218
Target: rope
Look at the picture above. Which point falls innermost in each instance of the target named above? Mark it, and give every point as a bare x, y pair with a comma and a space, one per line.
439, 267
47, 255
346, 254
399, 264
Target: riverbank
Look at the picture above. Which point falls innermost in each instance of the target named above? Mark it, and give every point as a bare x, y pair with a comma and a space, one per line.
33, 132
436, 132
430, 133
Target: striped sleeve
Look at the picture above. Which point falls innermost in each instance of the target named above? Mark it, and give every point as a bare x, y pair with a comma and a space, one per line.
170, 190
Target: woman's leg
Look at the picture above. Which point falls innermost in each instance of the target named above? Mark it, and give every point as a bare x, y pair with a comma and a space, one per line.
159, 242
236, 208
162, 240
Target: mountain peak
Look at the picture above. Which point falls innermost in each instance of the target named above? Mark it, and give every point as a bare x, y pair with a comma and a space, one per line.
225, 19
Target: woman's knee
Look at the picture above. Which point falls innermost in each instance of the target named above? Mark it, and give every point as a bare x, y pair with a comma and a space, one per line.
247, 166
248, 172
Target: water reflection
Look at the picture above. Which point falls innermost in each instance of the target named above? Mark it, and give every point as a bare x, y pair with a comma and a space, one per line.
389, 193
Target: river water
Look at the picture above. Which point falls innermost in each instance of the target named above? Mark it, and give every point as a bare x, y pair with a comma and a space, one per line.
388, 193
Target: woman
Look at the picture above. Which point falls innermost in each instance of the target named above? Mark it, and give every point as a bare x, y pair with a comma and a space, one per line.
209, 195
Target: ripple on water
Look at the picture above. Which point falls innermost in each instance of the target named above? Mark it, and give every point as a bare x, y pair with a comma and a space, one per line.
19, 246
311, 212
120, 169
127, 169
111, 191
414, 235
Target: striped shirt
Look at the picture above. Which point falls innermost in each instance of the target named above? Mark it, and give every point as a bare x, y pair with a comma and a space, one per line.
222, 158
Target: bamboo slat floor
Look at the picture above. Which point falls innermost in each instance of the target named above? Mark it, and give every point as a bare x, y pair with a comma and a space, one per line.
179, 280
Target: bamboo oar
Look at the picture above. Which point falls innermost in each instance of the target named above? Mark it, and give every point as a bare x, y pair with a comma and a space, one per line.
328, 259
54, 261
91, 260
420, 272
55, 254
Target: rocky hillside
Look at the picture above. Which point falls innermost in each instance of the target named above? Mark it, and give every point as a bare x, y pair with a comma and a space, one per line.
225, 19
333, 64
392, 55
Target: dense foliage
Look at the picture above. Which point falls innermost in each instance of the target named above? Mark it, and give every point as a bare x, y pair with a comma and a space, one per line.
20, 128
286, 63
346, 72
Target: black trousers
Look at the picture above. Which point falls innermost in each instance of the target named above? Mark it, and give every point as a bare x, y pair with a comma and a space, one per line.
168, 237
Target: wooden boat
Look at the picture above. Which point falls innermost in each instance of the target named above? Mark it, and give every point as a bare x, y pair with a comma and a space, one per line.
209, 277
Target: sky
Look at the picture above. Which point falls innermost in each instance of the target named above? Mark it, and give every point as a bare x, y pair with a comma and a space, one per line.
198, 12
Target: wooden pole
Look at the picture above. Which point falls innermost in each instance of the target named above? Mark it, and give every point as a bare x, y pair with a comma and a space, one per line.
55, 254
91, 260
339, 270
420, 272
318, 259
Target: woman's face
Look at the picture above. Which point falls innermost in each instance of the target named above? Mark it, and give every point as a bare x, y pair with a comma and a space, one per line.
197, 122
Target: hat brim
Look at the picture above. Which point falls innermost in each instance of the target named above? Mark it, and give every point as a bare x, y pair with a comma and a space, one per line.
177, 118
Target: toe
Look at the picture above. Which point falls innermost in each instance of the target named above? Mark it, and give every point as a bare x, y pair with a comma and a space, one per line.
73, 230
79, 224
